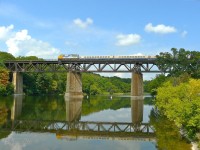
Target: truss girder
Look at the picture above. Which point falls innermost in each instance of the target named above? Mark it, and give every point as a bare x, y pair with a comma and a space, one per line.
113, 66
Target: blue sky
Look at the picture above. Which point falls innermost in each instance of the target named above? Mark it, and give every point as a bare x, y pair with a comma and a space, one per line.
98, 27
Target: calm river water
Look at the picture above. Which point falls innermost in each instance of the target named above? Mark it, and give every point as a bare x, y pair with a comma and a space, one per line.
96, 123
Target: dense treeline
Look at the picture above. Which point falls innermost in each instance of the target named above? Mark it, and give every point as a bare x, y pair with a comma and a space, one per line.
96, 84
178, 93
55, 83
177, 63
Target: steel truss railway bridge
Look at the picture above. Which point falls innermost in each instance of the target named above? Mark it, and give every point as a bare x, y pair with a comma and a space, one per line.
75, 67
85, 129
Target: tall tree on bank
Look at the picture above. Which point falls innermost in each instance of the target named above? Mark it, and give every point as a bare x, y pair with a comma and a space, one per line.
179, 62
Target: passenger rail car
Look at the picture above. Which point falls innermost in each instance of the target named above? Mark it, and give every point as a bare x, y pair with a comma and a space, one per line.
76, 56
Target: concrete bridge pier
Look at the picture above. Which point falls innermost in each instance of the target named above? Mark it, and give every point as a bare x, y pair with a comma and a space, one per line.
18, 82
74, 85
137, 84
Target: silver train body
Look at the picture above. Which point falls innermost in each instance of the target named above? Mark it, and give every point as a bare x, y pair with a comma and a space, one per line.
76, 56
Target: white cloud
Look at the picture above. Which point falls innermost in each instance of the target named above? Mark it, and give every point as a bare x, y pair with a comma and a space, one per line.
40, 49
160, 29
83, 24
21, 43
184, 33
13, 43
4, 31
128, 39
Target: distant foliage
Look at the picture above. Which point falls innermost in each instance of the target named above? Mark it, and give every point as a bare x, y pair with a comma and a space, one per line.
151, 86
94, 84
28, 58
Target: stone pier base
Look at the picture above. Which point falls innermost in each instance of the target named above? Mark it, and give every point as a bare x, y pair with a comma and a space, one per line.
18, 82
137, 84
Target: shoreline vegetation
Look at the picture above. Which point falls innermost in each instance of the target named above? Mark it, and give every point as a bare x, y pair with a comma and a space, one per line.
177, 93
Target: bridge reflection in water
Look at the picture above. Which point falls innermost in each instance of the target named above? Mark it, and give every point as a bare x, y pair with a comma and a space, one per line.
73, 128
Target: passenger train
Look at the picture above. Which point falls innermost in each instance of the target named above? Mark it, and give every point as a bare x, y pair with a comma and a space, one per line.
76, 56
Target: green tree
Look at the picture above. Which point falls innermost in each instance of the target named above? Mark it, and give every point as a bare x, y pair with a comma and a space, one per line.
6, 87
43, 83
180, 61
181, 104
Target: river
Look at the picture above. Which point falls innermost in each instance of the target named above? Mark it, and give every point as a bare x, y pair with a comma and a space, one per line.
94, 123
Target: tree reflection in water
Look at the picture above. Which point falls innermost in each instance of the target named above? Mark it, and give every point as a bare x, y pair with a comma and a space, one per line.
167, 134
